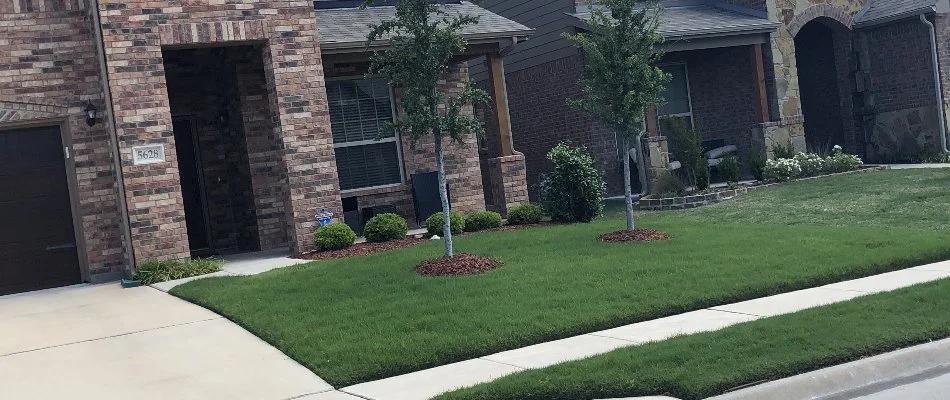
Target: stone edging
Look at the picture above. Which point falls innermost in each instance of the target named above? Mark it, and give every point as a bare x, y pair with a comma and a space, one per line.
699, 200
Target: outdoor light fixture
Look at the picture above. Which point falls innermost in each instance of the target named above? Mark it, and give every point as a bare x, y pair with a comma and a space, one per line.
90, 114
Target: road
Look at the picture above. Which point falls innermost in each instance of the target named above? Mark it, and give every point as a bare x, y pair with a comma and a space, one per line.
924, 387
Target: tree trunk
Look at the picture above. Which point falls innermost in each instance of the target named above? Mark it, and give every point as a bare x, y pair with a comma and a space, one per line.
627, 187
444, 195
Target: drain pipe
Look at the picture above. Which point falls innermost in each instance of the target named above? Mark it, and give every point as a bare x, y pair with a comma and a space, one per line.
938, 86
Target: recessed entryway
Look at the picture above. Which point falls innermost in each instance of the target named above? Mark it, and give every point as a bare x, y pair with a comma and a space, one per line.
818, 76
37, 241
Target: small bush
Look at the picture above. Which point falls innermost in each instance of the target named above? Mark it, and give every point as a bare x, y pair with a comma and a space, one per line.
150, 272
481, 220
574, 190
434, 224
780, 151
668, 184
841, 162
756, 165
525, 214
686, 145
385, 228
334, 236
729, 168
811, 164
782, 170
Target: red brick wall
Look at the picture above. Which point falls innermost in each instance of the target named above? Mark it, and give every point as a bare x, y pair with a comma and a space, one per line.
722, 89
48, 60
900, 66
134, 33
540, 119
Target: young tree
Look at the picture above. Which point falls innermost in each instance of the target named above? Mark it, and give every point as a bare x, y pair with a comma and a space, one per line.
621, 80
423, 40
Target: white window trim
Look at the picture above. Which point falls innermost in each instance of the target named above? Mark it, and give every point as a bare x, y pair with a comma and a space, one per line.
395, 138
689, 94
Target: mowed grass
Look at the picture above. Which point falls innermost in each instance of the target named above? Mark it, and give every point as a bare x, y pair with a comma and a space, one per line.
707, 364
367, 318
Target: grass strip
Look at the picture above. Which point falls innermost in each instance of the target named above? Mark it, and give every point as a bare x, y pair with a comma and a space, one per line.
707, 364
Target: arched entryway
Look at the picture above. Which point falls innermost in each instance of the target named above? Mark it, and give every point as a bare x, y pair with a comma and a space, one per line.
822, 50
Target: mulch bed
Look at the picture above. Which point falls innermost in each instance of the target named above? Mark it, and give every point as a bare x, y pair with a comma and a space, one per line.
461, 264
519, 227
360, 249
638, 235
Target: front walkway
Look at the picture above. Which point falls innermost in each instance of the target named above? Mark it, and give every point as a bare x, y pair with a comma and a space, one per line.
431, 382
103, 342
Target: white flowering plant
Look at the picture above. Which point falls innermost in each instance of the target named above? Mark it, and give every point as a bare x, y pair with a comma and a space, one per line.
811, 164
782, 170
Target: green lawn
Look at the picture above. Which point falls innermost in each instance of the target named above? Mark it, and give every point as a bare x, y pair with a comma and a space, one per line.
707, 364
367, 318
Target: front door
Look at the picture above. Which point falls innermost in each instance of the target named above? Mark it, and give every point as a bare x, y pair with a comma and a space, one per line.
37, 241
192, 186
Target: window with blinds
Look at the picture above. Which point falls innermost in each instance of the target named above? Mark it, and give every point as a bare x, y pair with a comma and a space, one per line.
366, 156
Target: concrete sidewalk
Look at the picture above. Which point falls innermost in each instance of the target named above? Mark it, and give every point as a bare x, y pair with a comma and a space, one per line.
103, 342
431, 382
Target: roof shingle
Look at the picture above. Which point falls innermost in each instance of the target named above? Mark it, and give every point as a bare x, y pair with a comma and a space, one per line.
348, 27
885, 10
705, 19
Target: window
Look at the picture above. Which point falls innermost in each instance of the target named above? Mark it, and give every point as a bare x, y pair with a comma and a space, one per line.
359, 111
678, 103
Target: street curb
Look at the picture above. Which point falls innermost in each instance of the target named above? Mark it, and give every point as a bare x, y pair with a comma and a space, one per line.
838, 382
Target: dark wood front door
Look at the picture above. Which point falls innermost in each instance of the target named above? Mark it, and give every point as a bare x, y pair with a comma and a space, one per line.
37, 242
192, 186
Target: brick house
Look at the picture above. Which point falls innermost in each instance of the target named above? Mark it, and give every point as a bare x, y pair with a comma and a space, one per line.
135, 130
748, 73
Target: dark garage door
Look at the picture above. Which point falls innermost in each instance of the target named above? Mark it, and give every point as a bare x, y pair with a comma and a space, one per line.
37, 242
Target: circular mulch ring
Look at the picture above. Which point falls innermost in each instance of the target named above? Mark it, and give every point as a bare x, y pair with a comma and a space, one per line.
460, 265
637, 235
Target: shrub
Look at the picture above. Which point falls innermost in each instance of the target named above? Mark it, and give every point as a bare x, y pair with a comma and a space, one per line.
782, 170
525, 214
729, 168
575, 189
841, 162
153, 271
756, 165
780, 151
687, 147
811, 164
668, 184
385, 228
481, 220
334, 236
434, 224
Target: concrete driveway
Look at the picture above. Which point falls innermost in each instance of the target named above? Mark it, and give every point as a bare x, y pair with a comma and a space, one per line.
104, 342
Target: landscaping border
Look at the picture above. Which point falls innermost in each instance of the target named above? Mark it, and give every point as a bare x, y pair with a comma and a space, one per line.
700, 200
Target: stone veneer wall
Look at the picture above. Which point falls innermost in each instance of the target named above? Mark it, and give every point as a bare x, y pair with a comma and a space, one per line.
508, 177
134, 33
48, 72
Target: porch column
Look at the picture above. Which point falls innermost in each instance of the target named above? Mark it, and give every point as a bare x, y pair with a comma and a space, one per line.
761, 93
507, 173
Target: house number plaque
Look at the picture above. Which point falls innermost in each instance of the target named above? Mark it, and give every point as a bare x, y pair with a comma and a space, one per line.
148, 154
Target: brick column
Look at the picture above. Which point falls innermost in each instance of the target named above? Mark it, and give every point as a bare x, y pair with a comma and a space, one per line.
509, 180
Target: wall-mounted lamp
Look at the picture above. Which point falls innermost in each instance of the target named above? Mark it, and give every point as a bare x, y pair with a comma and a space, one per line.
90, 114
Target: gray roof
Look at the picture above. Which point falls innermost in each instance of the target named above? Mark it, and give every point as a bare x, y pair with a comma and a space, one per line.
706, 19
348, 27
881, 11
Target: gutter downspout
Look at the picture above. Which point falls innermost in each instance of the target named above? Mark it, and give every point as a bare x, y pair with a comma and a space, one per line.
122, 201
938, 86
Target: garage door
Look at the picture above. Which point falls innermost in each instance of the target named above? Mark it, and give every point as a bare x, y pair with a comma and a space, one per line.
37, 242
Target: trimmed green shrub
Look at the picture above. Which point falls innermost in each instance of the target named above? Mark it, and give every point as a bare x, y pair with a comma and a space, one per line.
756, 165
481, 220
525, 214
780, 151
154, 271
434, 224
385, 228
574, 190
334, 236
686, 145
668, 184
729, 168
